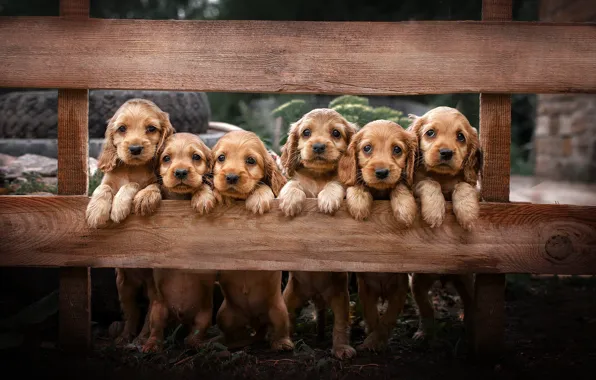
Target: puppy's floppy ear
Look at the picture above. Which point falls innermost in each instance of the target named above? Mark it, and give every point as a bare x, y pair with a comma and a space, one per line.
348, 163
108, 158
351, 130
416, 123
412, 144
167, 130
289, 155
473, 162
273, 176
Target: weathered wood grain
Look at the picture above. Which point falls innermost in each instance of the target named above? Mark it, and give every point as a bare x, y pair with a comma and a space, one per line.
73, 162
495, 138
510, 238
368, 58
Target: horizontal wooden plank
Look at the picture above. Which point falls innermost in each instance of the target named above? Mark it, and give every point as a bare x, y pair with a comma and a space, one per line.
368, 58
509, 238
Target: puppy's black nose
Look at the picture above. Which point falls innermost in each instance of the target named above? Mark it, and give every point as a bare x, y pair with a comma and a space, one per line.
181, 173
381, 173
135, 150
318, 147
232, 179
445, 154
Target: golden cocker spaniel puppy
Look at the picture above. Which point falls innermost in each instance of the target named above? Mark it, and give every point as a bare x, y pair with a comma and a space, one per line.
449, 163
311, 156
186, 296
133, 137
244, 170
379, 165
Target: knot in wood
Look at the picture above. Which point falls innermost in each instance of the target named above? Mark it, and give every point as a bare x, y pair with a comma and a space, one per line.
559, 247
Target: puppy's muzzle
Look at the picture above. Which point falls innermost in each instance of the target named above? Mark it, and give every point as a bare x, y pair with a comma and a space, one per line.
381, 173
318, 148
232, 179
135, 150
445, 154
181, 173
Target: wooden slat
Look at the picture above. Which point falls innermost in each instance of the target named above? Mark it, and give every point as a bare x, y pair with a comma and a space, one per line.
509, 238
298, 57
73, 162
495, 138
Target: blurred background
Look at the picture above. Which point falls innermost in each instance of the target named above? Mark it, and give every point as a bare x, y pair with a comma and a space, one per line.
553, 140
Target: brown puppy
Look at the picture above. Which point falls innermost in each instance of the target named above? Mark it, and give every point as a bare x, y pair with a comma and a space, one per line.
244, 170
448, 168
134, 134
185, 169
380, 165
310, 157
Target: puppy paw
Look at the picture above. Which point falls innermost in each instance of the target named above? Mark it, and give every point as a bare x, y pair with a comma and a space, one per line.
124, 338
203, 202
373, 342
359, 203
465, 205
343, 351
260, 201
152, 345
195, 340
328, 203
419, 335
120, 213
146, 202
467, 223
115, 329
435, 215
97, 215
123, 200
283, 344
292, 202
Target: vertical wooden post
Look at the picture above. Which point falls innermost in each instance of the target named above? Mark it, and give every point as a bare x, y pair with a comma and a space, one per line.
495, 138
73, 179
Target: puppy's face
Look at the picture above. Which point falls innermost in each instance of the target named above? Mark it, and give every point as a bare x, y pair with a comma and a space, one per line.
241, 162
447, 141
317, 141
185, 163
134, 134
381, 155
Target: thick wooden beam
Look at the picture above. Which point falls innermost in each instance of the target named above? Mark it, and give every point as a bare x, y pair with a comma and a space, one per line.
73, 179
495, 138
509, 238
364, 58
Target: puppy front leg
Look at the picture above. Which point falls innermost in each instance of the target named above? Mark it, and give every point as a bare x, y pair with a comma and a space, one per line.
359, 202
370, 313
159, 319
203, 200
123, 202
340, 305
330, 197
465, 205
98, 209
421, 284
259, 201
147, 200
403, 205
432, 201
292, 198
278, 315
202, 320
127, 292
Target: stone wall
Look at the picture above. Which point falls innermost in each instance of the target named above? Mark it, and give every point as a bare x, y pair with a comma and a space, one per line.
565, 135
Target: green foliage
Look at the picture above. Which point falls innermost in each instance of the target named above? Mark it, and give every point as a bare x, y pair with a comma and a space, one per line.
348, 99
33, 184
94, 181
291, 111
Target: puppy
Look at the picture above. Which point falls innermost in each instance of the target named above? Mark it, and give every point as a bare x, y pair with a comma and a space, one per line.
449, 162
133, 136
244, 170
185, 169
380, 165
310, 157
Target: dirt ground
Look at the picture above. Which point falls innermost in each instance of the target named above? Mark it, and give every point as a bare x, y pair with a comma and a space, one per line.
550, 333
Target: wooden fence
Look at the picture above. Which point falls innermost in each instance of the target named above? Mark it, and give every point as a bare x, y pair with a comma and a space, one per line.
494, 57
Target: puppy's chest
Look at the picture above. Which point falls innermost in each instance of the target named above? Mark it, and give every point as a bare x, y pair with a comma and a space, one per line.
144, 176
312, 186
380, 195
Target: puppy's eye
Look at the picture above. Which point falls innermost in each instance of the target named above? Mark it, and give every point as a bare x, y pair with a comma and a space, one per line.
166, 158
336, 133
367, 149
461, 137
250, 161
306, 133
122, 128
221, 158
430, 132
396, 150
151, 129
196, 157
